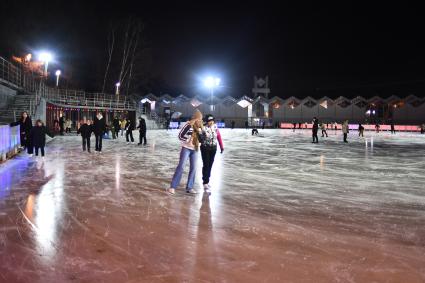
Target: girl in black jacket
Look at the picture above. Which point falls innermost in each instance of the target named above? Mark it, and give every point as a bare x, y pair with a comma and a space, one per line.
38, 137
25, 124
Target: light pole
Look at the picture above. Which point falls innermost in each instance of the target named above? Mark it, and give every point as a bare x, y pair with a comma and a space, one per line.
58, 73
211, 83
117, 90
45, 57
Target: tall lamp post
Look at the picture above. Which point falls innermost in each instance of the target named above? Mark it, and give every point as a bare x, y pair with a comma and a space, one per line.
117, 90
211, 83
58, 73
45, 57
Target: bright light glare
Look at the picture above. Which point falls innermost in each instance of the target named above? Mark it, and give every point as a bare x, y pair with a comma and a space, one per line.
211, 82
45, 56
58, 72
117, 84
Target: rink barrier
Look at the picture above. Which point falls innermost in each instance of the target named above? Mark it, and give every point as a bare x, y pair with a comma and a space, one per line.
355, 127
10, 140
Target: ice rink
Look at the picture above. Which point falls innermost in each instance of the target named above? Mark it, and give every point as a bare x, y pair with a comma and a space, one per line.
282, 210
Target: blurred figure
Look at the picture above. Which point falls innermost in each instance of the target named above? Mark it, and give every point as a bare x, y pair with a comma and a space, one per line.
392, 127
99, 127
324, 131
377, 127
61, 124
85, 131
345, 130
122, 126
142, 131
129, 127
361, 130
254, 132
315, 129
233, 124
116, 125
68, 125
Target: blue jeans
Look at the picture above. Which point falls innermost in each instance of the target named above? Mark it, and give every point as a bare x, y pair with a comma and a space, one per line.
184, 155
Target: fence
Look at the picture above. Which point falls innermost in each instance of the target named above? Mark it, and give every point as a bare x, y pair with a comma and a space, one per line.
10, 140
10, 73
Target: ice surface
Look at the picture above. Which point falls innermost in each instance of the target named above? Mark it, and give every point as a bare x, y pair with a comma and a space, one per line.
282, 210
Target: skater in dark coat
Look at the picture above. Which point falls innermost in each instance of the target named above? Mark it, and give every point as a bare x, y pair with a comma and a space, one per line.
85, 131
25, 124
99, 129
315, 130
61, 124
233, 124
38, 137
142, 131
361, 130
129, 127
116, 125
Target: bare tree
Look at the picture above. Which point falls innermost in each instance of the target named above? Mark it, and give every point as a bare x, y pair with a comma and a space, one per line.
129, 52
111, 45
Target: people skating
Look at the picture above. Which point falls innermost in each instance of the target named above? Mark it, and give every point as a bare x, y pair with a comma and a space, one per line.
361, 130
189, 137
38, 137
123, 122
254, 132
299, 125
422, 129
233, 124
315, 129
264, 125
345, 130
246, 125
85, 131
392, 127
209, 137
61, 124
68, 125
295, 125
142, 131
324, 131
25, 124
129, 127
377, 127
116, 125
335, 126
99, 128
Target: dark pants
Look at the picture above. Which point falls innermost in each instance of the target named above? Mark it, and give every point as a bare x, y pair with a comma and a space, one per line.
41, 148
315, 137
324, 133
98, 143
345, 137
142, 137
26, 142
127, 134
61, 129
86, 143
208, 154
117, 132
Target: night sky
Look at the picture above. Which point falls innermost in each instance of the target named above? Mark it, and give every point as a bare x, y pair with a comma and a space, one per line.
313, 50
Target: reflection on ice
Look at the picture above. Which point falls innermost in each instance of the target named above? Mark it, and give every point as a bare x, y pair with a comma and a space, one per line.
282, 209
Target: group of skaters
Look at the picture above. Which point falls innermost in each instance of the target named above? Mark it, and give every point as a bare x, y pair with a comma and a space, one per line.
33, 138
196, 135
99, 127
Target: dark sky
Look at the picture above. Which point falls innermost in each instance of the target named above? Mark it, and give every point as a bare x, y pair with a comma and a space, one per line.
305, 49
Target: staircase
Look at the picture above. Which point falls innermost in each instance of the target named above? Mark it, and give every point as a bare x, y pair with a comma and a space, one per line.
21, 103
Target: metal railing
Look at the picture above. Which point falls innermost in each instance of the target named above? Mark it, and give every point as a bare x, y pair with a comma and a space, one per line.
15, 76
10, 73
